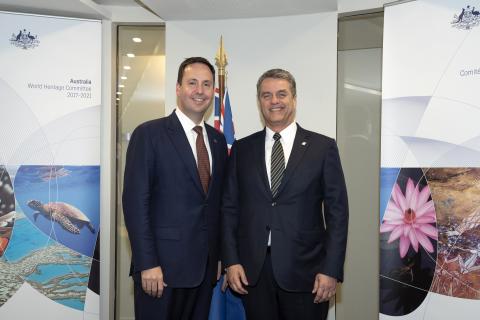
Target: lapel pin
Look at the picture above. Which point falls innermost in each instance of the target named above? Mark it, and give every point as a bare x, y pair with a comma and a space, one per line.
214, 140
304, 143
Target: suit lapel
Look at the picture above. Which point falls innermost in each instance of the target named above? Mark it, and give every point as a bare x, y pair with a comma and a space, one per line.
181, 144
300, 145
216, 156
258, 151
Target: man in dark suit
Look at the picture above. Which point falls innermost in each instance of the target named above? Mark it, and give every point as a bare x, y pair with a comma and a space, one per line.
171, 202
284, 212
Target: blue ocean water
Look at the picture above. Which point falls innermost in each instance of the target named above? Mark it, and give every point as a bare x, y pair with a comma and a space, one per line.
78, 186
47, 272
25, 239
72, 303
74, 280
73, 288
388, 177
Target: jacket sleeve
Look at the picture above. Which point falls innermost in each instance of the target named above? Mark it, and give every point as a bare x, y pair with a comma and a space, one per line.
138, 183
336, 213
230, 212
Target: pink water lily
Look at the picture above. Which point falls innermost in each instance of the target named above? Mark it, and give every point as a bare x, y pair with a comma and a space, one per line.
409, 218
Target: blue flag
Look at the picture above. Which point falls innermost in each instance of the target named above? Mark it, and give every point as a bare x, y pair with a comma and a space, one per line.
223, 120
225, 305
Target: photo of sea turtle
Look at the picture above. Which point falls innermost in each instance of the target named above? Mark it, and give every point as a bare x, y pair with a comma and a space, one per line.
68, 216
63, 202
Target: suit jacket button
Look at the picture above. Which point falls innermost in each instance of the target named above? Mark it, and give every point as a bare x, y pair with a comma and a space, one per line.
274, 204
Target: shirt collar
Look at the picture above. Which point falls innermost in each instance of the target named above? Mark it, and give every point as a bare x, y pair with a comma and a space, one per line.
186, 122
288, 134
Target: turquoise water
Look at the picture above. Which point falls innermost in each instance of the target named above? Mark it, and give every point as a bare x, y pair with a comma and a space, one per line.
78, 186
25, 239
72, 303
74, 280
48, 272
73, 288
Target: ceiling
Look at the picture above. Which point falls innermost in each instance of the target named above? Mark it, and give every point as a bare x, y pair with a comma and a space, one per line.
125, 3
187, 9
67, 8
228, 9
175, 9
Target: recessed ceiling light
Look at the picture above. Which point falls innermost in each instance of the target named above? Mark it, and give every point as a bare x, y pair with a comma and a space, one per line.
127, 67
131, 55
119, 93
121, 86
137, 40
123, 78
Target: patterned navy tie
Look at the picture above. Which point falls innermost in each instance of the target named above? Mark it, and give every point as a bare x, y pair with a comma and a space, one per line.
277, 164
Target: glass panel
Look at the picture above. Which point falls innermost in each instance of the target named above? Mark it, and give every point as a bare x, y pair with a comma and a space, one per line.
358, 137
360, 31
140, 97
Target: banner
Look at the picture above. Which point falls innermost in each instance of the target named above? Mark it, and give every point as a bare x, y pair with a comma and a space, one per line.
430, 161
50, 95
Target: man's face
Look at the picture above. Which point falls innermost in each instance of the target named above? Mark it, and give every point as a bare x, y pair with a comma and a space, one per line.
196, 90
277, 103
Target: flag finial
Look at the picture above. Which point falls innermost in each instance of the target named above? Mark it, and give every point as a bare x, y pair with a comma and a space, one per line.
221, 58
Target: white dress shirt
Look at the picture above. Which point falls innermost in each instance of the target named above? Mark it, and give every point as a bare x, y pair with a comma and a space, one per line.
188, 125
287, 139
288, 136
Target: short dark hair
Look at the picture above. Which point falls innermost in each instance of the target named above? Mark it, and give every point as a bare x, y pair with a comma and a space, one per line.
192, 60
278, 74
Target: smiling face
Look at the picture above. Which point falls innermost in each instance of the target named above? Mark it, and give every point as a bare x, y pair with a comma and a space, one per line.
195, 92
277, 103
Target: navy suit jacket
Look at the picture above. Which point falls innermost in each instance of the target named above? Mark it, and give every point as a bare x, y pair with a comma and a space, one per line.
171, 222
308, 218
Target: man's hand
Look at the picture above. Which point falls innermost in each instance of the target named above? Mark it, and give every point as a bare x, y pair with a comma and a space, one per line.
324, 288
152, 282
237, 279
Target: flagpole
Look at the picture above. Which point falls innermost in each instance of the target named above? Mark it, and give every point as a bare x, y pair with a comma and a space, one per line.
221, 63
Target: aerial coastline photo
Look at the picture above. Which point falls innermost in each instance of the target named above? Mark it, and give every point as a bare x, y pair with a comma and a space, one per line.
52, 269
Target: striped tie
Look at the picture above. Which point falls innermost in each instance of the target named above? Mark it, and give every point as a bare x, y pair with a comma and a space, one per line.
277, 164
203, 163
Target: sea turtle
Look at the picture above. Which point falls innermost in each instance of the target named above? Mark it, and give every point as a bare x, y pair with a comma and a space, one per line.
69, 217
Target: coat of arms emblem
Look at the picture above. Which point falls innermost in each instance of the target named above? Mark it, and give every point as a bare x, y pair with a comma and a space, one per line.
466, 19
24, 40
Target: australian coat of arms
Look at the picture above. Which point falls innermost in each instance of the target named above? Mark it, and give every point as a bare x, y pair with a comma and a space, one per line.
24, 40
466, 19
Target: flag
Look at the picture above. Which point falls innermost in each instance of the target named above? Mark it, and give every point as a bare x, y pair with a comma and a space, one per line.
225, 305
223, 119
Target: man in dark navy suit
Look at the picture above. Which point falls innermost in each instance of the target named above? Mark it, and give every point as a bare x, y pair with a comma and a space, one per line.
171, 202
284, 212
